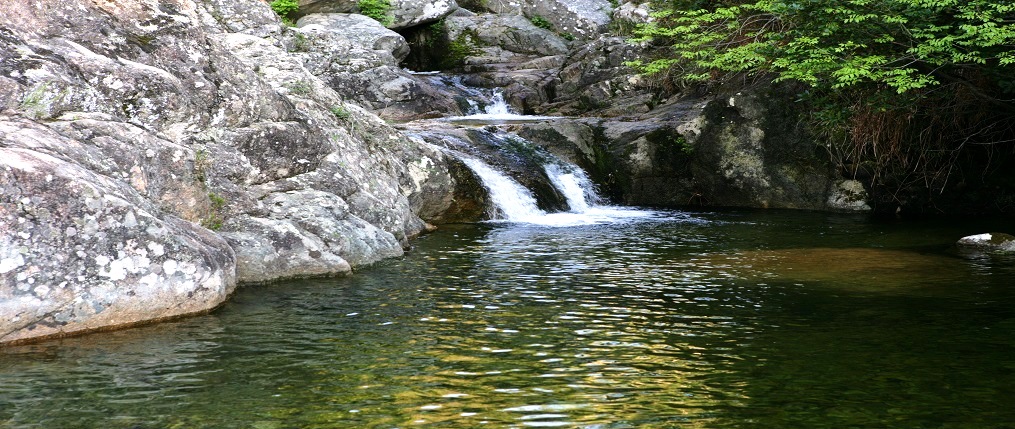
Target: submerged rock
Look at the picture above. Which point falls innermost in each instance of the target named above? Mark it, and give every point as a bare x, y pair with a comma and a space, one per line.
868, 270
994, 241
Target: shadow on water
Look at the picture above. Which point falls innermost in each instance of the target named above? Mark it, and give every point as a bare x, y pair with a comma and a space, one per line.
715, 320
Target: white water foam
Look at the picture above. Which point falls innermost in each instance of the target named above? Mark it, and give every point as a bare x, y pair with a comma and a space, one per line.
498, 111
514, 203
575, 185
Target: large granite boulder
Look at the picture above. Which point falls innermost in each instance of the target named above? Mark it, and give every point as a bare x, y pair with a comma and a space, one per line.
161, 153
595, 80
582, 19
359, 30
359, 59
81, 251
411, 13
510, 53
512, 33
400, 15
631, 14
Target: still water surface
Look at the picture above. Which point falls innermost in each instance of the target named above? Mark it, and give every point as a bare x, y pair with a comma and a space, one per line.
735, 319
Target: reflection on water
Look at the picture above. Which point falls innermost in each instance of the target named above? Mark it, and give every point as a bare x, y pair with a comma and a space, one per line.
713, 320
870, 269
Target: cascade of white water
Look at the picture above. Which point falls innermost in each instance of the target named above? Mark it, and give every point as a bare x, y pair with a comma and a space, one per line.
575, 185
498, 111
512, 201
498, 107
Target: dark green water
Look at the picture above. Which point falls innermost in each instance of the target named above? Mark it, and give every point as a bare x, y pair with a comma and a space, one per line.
708, 320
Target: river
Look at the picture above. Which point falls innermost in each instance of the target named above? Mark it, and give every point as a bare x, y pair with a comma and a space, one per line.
724, 319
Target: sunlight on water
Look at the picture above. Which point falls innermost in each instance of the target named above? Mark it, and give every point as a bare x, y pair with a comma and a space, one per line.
710, 320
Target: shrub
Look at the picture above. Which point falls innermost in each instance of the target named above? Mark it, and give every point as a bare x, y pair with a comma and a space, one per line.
541, 22
285, 9
376, 9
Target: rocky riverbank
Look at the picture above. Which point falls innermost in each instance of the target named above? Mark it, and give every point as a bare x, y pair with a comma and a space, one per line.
156, 154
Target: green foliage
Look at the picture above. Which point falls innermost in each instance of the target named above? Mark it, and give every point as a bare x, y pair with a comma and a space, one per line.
377, 9
300, 42
541, 22
300, 88
216, 216
681, 143
902, 44
900, 89
340, 112
459, 49
285, 10
201, 165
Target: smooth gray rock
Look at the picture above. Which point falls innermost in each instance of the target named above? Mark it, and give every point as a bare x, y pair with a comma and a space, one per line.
159, 154
411, 13
583, 19
368, 77
512, 33
848, 195
402, 13
359, 30
994, 241
631, 14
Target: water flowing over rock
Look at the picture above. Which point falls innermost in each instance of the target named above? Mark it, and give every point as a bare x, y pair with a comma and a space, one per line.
163, 152
730, 151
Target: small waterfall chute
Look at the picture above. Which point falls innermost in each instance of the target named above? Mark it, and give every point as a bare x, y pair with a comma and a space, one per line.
496, 111
575, 185
512, 202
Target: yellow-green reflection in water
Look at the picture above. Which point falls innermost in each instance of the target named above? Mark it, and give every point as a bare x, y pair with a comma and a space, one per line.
859, 269
711, 320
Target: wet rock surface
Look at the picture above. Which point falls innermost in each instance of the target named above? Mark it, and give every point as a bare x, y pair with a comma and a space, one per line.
993, 242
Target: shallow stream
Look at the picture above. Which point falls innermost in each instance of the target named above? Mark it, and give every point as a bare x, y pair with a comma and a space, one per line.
732, 319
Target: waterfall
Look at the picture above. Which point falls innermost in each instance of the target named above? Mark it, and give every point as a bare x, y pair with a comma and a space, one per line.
575, 185
512, 202
498, 107
496, 111
509, 200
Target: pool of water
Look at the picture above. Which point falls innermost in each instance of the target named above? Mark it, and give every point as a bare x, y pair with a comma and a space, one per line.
738, 319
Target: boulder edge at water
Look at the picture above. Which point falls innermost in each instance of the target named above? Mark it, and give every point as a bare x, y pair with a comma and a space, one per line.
994, 241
